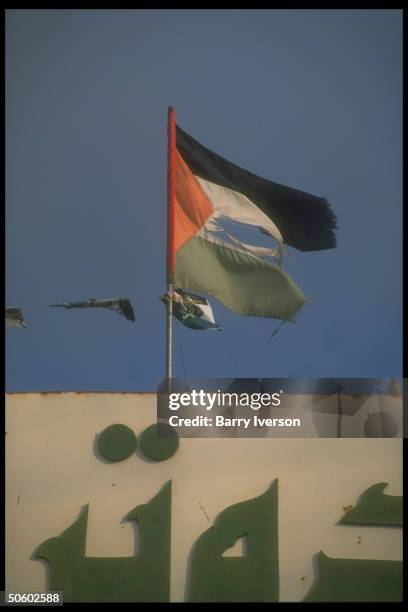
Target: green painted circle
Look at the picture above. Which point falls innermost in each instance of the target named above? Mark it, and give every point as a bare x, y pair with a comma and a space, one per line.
117, 442
157, 447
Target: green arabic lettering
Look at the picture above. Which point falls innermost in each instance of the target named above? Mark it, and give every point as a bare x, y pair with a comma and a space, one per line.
145, 577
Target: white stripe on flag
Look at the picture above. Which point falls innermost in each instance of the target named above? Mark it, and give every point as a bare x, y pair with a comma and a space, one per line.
237, 207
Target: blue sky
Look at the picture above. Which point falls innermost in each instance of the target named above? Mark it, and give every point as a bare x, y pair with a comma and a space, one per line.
308, 98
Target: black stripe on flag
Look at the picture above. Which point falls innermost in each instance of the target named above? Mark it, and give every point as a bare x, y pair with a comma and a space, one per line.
305, 221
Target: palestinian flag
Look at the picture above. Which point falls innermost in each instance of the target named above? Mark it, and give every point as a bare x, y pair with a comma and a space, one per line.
206, 189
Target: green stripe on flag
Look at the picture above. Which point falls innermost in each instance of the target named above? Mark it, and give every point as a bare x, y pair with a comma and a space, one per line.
242, 282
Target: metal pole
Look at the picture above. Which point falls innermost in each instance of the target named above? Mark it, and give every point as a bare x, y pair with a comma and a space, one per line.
169, 343
339, 412
171, 195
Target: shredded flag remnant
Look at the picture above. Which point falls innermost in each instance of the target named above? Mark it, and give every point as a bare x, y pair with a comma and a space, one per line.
120, 305
210, 190
192, 310
14, 318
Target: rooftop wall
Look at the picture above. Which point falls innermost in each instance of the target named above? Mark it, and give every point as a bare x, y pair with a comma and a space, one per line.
54, 468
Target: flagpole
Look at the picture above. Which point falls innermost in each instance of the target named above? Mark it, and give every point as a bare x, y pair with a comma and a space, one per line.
171, 194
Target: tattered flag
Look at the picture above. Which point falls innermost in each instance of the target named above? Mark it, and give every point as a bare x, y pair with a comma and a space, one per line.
203, 254
120, 305
191, 309
14, 318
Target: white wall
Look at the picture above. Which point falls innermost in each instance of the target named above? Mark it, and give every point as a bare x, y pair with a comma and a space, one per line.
52, 471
